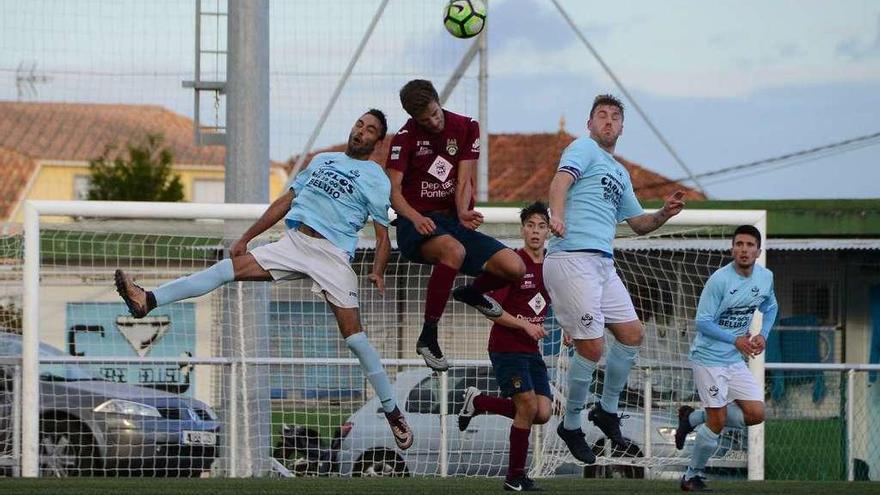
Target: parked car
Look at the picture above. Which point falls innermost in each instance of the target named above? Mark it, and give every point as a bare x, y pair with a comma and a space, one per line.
91, 426
482, 450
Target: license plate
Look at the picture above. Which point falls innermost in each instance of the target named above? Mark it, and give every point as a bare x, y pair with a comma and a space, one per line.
199, 438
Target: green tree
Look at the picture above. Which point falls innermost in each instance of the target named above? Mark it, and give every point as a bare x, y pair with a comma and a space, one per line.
142, 174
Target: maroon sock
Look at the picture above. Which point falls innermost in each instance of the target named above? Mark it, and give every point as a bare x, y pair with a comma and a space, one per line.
439, 287
519, 449
488, 282
495, 405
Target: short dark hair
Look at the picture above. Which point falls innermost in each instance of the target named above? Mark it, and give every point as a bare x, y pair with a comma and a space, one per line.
748, 230
610, 100
416, 95
536, 208
380, 115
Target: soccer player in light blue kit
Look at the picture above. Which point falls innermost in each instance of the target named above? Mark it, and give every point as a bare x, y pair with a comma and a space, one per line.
728, 391
589, 195
324, 208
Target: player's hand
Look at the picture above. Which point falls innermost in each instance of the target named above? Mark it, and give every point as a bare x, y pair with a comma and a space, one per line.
424, 225
471, 219
744, 345
536, 332
377, 280
238, 248
674, 204
557, 226
759, 343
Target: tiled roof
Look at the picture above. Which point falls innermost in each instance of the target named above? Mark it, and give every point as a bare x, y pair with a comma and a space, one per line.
15, 170
81, 131
521, 167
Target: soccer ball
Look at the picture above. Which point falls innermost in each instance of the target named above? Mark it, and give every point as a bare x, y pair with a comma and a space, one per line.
464, 18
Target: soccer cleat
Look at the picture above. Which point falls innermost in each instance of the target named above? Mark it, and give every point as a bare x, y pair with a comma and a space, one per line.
481, 302
695, 484
521, 484
468, 410
135, 296
403, 435
577, 445
610, 426
684, 426
432, 355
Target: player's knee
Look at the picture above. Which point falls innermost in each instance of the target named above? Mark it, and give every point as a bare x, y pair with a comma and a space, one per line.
754, 416
715, 419
542, 416
516, 270
453, 254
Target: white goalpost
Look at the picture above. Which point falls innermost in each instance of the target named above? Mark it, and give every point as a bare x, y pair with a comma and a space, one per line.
317, 389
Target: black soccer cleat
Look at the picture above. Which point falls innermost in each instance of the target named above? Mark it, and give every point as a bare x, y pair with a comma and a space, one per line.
484, 304
521, 484
577, 445
684, 426
135, 297
610, 425
468, 410
695, 484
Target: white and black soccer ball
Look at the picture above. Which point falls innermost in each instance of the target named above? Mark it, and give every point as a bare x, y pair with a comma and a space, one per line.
464, 18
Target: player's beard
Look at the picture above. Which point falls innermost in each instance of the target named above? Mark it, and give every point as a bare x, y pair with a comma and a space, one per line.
609, 142
359, 150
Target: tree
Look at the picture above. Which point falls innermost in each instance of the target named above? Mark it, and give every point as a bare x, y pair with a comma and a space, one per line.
143, 175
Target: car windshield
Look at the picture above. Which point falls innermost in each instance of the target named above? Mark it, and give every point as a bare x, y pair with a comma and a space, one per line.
10, 345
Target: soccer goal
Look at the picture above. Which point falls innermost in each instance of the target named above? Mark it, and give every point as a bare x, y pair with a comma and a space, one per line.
254, 379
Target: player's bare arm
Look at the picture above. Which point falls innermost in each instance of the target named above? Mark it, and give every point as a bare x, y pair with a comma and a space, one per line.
423, 224
276, 211
380, 261
464, 191
559, 187
650, 222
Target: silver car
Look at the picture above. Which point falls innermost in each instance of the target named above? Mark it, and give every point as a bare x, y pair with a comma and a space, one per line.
90, 426
482, 450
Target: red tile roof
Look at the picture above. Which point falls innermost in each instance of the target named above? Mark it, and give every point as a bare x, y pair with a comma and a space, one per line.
521, 167
15, 170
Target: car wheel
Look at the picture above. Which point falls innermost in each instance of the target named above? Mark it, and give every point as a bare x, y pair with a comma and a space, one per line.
615, 470
380, 463
67, 448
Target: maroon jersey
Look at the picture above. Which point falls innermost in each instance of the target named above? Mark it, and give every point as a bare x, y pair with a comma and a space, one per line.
526, 299
429, 162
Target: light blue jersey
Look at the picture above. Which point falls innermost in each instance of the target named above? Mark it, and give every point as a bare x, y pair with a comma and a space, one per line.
727, 306
600, 197
336, 194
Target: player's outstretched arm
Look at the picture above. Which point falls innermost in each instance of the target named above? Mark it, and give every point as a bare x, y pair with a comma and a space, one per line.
649, 222
276, 211
380, 261
559, 187
423, 224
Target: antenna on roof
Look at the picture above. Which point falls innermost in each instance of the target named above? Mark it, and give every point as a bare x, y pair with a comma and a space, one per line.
27, 78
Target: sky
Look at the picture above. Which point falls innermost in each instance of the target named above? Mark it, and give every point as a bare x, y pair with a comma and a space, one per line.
726, 83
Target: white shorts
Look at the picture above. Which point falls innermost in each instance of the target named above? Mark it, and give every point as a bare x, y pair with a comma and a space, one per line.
586, 293
297, 255
721, 385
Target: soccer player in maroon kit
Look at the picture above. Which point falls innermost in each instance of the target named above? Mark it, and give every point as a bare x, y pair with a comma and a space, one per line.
431, 166
513, 348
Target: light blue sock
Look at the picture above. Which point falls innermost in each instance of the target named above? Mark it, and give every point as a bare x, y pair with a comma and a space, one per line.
196, 284
619, 361
735, 418
372, 366
580, 377
697, 418
704, 447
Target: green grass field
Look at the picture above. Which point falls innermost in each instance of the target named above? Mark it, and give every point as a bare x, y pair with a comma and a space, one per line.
409, 486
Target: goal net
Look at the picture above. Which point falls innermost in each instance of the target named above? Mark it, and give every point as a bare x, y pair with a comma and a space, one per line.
172, 393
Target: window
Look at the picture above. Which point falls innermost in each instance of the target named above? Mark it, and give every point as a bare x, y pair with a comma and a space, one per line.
81, 185
208, 191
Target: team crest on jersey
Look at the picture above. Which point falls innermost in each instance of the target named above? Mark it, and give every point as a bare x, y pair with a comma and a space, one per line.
440, 168
516, 382
451, 146
713, 391
755, 290
587, 319
537, 303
